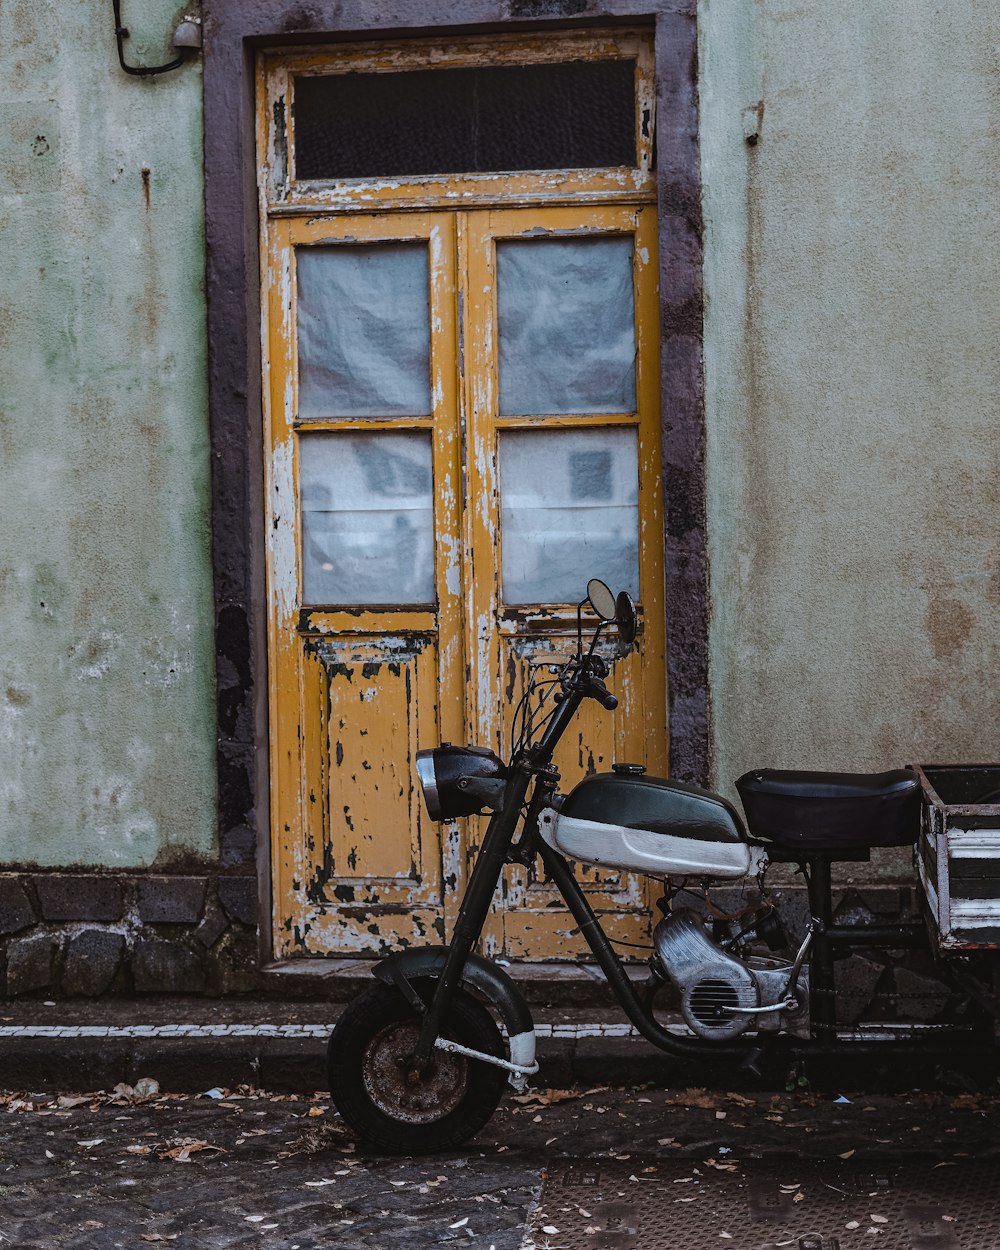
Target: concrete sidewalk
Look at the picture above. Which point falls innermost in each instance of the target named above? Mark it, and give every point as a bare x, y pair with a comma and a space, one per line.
192, 1044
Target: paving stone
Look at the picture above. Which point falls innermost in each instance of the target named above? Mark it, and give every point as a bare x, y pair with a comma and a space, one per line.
212, 926
855, 979
266, 1174
16, 911
920, 997
238, 895
793, 906
92, 959
77, 896
171, 900
30, 963
234, 965
167, 967
852, 909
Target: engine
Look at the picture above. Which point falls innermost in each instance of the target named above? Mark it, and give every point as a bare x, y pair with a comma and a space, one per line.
722, 995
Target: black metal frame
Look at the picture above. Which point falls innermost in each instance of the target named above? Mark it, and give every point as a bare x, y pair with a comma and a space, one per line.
828, 939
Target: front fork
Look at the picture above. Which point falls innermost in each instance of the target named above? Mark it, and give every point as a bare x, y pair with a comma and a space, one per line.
475, 908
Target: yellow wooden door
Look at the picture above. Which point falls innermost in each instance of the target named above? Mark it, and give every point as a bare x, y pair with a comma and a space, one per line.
462, 428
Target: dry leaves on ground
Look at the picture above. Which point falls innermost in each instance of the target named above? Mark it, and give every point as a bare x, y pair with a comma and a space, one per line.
180, 1149
327, 1135
693, 1098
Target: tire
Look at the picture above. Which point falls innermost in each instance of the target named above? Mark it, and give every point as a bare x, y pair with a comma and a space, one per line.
365, 1060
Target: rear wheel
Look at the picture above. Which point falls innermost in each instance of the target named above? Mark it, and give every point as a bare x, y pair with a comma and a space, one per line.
376, 1090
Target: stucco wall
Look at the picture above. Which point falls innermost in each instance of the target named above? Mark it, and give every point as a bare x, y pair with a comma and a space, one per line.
852, 378
107, 695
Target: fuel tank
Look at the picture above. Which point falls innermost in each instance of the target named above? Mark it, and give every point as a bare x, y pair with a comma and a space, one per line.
649, 824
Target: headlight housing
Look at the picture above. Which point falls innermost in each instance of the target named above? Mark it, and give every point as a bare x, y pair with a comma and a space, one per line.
460, 781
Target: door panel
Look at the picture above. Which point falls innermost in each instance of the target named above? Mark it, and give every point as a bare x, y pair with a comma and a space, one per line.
363, 571
564, 466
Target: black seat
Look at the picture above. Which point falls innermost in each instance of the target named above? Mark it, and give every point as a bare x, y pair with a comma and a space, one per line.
833, 812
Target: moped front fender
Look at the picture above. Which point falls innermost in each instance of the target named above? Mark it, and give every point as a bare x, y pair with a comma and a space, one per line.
492, 982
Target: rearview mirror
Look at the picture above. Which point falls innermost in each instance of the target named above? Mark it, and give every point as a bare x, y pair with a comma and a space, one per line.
601, 599
625, 617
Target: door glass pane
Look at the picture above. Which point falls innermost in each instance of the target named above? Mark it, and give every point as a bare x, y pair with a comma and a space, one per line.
570, 511
567, 325
363, 330
574, 115
367, 518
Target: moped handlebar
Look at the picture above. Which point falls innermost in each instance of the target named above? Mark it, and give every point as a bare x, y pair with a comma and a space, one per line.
596, 689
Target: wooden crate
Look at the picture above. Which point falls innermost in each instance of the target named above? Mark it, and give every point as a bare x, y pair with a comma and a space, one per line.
958, 854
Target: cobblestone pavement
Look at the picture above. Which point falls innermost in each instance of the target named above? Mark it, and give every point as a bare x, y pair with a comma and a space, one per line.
252, 1169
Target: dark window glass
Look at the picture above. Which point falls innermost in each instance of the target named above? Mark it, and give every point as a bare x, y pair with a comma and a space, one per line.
575, 115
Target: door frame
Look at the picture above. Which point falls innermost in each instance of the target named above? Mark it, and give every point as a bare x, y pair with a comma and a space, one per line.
235, 30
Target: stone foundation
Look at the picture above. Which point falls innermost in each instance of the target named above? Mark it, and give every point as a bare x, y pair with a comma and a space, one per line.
67, 934
89, 934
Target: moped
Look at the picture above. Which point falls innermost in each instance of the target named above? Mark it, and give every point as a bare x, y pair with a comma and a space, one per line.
417, 1062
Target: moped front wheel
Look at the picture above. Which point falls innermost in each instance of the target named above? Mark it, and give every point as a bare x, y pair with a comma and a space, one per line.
377, 1091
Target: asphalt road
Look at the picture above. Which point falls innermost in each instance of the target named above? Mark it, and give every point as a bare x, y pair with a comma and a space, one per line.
692, 1168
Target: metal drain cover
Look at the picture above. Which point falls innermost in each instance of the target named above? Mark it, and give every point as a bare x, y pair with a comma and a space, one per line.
774, 1204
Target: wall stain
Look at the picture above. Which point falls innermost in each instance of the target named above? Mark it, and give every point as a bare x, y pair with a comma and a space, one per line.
949, 625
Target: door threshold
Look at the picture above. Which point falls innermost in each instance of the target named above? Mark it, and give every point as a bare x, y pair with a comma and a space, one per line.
575, 984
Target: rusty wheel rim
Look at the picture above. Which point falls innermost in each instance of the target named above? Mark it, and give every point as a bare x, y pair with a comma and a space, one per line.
386, 1068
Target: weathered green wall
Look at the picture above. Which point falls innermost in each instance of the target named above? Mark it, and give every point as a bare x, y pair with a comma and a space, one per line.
106, 692
853, 375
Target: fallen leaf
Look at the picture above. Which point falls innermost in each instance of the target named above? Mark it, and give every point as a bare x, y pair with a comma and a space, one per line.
465, 1219
138, 1150
159, 1236
692, 1098
546, 1228
314, 1111
180, 1149
546, 1097
320, 1184
879, 1219
847, 1154
96, 1141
